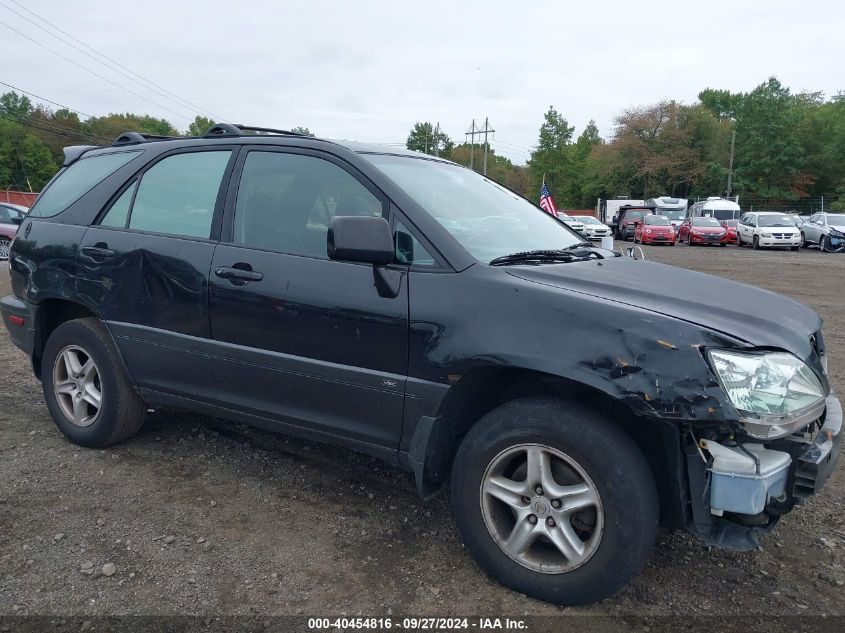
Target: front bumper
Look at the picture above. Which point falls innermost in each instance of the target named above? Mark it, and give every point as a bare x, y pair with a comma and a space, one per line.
811, 461
20, 319
777, 241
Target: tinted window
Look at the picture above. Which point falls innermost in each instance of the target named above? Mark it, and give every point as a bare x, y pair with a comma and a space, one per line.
5, 214
634, 215
119, 212
77, 180
287, 201
409, 250
177, 195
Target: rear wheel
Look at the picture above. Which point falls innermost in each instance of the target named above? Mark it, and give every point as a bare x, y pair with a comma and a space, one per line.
5, 244
87, 392
554, 500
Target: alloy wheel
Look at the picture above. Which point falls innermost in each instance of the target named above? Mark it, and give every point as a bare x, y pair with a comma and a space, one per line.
4, 249
77, 386
541, 508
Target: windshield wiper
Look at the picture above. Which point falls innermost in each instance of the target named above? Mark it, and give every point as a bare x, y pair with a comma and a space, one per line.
544, 256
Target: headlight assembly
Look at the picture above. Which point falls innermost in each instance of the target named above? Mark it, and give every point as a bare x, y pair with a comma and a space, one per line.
775, 392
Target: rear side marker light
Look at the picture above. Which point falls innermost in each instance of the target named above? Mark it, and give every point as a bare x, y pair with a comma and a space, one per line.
16, 320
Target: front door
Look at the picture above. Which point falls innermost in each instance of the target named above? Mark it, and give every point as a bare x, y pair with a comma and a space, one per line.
302, 339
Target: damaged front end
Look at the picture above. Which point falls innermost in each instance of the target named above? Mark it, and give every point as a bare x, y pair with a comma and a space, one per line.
740, 486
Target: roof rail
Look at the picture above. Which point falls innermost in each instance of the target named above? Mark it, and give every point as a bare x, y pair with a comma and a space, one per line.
133, 138
226, 130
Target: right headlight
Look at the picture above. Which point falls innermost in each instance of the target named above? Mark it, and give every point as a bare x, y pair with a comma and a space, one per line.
776, 393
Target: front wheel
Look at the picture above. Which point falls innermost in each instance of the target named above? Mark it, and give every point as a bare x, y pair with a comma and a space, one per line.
825, 245
5, 245
804, 242
85, 385
756, 243
554, 500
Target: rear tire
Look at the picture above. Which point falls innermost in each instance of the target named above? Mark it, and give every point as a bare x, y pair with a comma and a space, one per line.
86, 388
5, 245
595, 465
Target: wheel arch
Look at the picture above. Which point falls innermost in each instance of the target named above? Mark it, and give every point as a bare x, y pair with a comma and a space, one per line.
436, 440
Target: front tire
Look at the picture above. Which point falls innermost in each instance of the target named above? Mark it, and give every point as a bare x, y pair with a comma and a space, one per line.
86, 388
5, 245
554, 500
756, 243
804, 242
825, 245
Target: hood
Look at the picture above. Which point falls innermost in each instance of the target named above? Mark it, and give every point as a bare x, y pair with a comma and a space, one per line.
707, 229
743, 312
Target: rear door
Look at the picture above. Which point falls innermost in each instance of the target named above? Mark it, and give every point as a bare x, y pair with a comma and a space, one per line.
144, 266
303, 340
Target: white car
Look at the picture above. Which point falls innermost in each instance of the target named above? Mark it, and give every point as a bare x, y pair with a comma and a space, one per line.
763, 229
593, 229
571, 222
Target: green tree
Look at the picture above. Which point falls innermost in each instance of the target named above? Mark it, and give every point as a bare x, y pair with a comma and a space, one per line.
551, 159
425, 138
302, 130
26, 162
199, 126
113, 125
14, 106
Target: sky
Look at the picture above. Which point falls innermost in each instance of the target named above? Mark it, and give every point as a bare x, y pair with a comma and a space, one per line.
367, 70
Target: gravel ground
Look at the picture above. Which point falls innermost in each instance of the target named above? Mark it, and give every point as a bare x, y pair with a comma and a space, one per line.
197, 516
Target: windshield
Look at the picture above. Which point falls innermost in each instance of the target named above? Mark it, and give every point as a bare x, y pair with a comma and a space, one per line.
774, 220
705, 222
634, 215
586, 219
731, 222
488, 220
672, 214
836, 220
657, 220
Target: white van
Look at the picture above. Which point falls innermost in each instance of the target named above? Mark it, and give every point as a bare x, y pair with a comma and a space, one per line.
715, 207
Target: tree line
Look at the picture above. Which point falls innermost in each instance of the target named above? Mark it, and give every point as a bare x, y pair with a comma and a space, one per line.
787, 146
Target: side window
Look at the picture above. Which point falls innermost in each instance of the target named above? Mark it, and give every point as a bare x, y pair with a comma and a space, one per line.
177, 195
5, 214
118, 214
286, 202
409, 251
77, 180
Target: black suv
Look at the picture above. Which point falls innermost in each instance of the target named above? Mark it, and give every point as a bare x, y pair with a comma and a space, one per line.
410, 308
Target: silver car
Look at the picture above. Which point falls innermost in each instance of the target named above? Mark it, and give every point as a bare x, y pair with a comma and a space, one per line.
571, 222
593, 229
825, 230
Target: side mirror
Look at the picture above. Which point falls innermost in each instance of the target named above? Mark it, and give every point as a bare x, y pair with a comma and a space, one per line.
17, 220
360, 239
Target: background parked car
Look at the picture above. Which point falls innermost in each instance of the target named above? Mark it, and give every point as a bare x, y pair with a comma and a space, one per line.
703, 230
765, 229
572, 223
627, 220
593, 229
11, 216
655, 229
825, 230
730, 227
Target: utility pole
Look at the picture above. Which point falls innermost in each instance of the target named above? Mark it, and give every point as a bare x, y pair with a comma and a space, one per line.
427, 128
471, 133
731, 168
437, 139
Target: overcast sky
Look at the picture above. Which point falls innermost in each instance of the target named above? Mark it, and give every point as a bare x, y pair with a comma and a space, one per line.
367, 70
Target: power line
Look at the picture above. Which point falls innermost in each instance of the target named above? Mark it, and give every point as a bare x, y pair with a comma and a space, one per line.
88, 70
45, 99
74, 135
158, 90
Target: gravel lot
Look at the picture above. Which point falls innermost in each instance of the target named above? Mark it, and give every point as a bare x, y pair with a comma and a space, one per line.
200, 516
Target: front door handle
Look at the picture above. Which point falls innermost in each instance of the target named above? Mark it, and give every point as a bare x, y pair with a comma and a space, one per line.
226, 272
99, 251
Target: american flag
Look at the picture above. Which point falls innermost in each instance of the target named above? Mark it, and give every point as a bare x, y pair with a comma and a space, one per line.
546, 201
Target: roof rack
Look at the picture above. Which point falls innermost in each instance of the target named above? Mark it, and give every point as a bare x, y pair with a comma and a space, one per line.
226, 130
133, 138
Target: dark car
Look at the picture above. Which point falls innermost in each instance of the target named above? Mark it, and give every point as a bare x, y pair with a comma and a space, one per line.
404, 306
626, 222
11, 216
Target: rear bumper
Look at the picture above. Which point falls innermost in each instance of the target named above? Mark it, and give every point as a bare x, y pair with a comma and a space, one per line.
19, 316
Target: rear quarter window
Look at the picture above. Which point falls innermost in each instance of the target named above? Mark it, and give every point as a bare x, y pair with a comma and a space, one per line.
77, 180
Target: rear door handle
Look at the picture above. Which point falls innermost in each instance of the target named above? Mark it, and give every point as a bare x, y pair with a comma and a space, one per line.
97, 251
226, 272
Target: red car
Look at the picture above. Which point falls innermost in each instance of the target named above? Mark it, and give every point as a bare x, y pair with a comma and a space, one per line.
654, 229
730, 227
703, 230
11, 215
